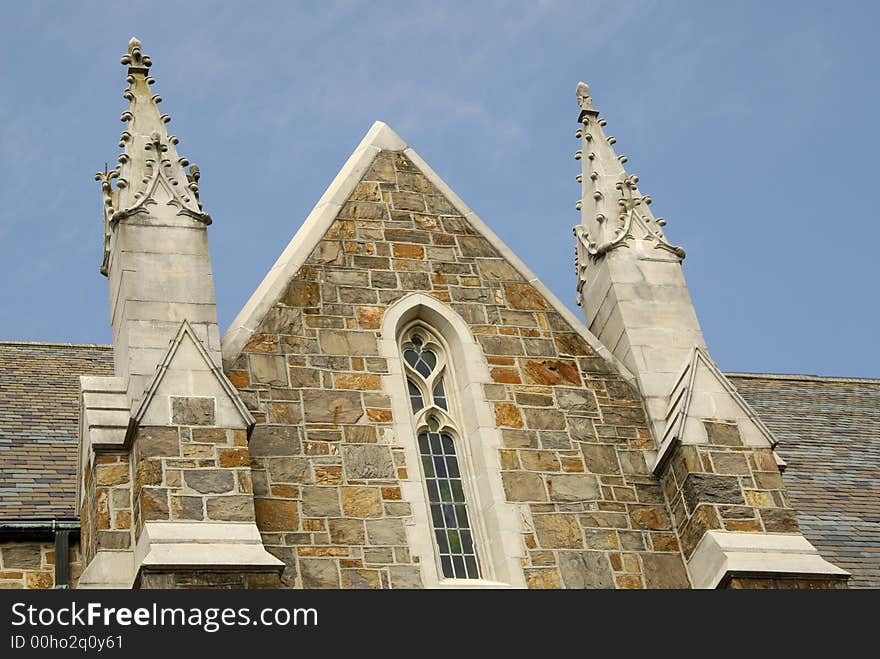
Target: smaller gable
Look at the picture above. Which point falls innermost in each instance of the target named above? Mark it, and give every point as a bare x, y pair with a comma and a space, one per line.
188, 372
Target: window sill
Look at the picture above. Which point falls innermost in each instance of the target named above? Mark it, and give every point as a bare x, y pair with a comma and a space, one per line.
471, 584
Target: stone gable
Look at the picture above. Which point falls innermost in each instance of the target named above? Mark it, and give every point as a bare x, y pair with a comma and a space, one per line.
327, 468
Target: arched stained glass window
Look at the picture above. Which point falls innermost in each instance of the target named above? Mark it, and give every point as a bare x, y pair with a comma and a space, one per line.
437, 432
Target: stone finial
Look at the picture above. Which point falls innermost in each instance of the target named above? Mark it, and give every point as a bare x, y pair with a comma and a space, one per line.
585, 103
134, 58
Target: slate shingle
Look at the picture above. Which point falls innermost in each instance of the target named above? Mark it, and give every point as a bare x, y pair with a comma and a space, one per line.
39, 417
829, 434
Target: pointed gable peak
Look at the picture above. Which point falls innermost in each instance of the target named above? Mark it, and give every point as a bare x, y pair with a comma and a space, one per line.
379, 138
151, 177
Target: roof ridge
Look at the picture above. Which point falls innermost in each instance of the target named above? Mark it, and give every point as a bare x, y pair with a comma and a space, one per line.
55, 344
803, 377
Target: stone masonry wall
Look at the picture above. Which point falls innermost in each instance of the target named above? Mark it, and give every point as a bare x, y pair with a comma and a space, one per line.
193, 470
725, 485
106, 509
32, 564
326, 466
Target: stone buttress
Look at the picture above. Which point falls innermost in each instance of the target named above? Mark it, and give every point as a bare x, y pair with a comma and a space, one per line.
714, 457
164, 478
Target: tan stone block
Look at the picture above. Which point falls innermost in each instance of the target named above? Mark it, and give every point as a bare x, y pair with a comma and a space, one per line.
285, 491
153, 503
551, 371
629, 582
112, 474
359, 381
328, 475
506, 376
366, 192
239, 379
236, 457
539, 460
40, 580
507, 414
210, 435
525, 297
360, 579
759, 499
407, 251
555, 531
201, 451
276, 514
262, 343
379, 416
544, 578
361, 501
572, 344
102, 506
369, 317
523, 486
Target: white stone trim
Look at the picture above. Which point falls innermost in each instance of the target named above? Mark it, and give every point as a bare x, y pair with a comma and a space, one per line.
108, 569
728, 552
380, 137
495, 521
203, 544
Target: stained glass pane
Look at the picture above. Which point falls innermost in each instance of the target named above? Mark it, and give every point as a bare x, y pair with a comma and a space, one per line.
417, 341
440, 395
433, 424
411, 357
429, 358
415, 396
455, 543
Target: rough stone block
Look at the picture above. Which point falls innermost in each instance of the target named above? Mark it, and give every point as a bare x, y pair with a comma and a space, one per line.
233, 508
558, 531
157, 441
573, 487
405, 576
320, 501
332, 406
585, 569
274, 441
153, 503
523, 486
268, 369
209, 481
664, 571
361, 501
319, 572
363, 461
711, 488
22, 556
723, 434
387, 531
190, 411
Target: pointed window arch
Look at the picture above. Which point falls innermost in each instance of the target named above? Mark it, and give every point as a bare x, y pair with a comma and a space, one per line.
438, 434
453, 394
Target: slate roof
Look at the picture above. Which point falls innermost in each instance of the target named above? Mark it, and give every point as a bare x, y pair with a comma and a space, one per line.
828, 431
829, 434
39, 420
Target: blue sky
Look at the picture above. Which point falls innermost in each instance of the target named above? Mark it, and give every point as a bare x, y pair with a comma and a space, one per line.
749, 123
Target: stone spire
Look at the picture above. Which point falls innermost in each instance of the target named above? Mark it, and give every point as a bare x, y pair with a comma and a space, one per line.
169, 400
635, 300
156, 251
613, 212
150, 171
629, 278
